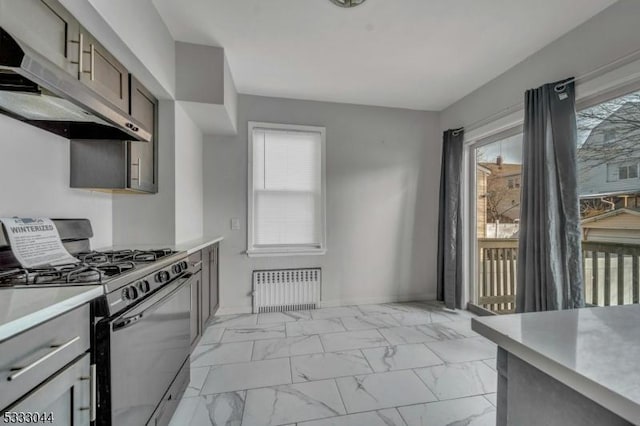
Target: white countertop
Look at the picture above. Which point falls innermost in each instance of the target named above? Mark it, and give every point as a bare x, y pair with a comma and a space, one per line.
195, 245
191, 246
24, 308
595, 351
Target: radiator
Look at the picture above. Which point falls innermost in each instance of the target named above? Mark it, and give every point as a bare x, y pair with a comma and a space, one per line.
286, 290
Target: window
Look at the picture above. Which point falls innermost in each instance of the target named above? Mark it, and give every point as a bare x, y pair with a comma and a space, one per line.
608, 152
628, 171
286, 189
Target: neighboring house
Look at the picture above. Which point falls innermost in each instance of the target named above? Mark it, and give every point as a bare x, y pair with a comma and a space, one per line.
503, 192
482, 173
609, 159
615, 226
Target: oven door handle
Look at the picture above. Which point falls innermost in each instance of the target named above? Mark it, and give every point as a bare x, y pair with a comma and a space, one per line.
152, 304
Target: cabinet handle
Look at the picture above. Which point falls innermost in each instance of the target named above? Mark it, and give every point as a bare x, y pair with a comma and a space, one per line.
94, 395
19, 371
138, 165
92, 55
93, 61
80, 53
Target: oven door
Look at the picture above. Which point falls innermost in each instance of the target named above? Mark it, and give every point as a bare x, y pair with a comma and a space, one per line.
148, 346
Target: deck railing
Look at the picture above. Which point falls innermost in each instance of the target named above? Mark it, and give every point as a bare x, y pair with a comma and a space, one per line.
497, 274
611, 273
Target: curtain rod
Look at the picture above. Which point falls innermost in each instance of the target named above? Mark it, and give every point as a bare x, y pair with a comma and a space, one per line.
596, 72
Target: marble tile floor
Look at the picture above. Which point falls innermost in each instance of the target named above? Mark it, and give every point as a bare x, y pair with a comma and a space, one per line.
388, 364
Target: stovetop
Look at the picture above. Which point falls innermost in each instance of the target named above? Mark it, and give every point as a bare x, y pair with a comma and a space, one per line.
95, 267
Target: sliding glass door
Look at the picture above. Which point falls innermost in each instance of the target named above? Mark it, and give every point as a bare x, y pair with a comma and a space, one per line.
609, 186
498, 176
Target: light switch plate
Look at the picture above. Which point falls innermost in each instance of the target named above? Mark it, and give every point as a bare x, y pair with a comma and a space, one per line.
235, 223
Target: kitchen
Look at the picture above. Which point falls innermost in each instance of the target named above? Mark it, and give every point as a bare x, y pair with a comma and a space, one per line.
142, 145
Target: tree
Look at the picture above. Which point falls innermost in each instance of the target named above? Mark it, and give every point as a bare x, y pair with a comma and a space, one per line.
613, 130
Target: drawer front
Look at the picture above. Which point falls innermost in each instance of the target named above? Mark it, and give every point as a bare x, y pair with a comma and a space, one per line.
64, 399
30, 358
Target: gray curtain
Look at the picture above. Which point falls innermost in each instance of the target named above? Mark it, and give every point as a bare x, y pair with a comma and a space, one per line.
449, 221
549, 249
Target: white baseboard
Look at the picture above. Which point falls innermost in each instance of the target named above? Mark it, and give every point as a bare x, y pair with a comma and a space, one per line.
376, 300
229, 310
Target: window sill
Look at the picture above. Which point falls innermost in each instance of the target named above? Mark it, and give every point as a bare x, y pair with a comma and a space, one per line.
280, 253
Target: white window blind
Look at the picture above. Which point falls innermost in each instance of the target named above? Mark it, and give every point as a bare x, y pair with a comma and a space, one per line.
286, 188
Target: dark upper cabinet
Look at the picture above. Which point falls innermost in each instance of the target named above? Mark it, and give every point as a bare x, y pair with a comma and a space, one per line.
142, 163
115, 166
45, 26
102, 72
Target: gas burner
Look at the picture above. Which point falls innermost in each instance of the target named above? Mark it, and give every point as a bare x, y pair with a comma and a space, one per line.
67, 274
81, 273
115, 256
111, 269
93, 257
13, 276
94, 268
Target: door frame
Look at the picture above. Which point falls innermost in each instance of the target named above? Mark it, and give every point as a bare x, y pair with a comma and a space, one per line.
470, 235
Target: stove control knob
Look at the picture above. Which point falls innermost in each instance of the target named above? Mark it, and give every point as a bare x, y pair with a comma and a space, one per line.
162, 276
177, 268
144, 286
130, 293
184, 265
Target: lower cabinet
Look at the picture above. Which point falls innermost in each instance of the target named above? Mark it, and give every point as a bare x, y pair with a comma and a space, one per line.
204, 293
196, 295
64, 399
45, 373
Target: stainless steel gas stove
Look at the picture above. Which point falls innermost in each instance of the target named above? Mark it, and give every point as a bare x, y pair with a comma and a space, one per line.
141, 324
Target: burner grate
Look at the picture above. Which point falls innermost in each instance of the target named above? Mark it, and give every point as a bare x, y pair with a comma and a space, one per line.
94, 268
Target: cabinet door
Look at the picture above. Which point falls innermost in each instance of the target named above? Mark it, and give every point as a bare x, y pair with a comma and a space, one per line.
64, 399
103, 73
195, 310
206, 288
142, 155
214, 295
51, 30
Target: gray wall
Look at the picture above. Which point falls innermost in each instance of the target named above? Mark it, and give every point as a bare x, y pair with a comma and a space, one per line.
34, 171
150, 218
189, 179
608, 36
174, 214
383, 168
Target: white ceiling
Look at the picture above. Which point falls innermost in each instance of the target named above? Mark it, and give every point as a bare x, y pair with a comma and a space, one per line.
419, 54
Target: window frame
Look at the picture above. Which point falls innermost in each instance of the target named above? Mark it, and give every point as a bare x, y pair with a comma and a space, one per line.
286, 250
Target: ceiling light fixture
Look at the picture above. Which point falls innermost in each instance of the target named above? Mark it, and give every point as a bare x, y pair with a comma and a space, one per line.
347, 3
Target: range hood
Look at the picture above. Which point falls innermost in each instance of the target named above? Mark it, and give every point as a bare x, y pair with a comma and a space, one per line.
38, 92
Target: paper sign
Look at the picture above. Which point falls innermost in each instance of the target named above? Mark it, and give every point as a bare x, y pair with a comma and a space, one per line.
36, 242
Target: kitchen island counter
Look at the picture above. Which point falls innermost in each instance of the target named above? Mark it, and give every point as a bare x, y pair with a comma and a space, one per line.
592, 351
24, 308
